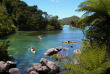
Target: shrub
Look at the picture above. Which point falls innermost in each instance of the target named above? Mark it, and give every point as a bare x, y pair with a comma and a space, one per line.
49, 27
3, 51
92, 61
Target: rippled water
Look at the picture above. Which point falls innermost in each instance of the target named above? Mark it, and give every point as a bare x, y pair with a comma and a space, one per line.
21, 41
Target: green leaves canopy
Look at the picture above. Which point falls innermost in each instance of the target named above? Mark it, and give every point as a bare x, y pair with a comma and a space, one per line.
97, 17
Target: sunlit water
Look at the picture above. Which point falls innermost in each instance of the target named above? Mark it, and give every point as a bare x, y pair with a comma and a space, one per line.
21, 41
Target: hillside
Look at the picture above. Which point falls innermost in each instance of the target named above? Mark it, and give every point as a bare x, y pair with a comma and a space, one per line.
68, 19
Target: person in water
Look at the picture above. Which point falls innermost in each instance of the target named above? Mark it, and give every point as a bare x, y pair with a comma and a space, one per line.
32, 49
68, 41
40, 37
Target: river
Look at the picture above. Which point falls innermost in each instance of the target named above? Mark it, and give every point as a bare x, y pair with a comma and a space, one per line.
21, 41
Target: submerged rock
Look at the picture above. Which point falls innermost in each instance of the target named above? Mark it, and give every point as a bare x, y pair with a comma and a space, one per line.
64, 49
14, 71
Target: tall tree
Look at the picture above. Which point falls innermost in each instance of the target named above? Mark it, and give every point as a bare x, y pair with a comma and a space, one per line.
97, 18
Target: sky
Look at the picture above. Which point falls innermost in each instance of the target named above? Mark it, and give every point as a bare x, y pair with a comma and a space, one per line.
60, 8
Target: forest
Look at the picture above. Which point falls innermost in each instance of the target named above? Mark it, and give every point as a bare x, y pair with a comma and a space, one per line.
17, 15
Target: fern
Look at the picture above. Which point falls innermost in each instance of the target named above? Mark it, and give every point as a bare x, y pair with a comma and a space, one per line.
92, 61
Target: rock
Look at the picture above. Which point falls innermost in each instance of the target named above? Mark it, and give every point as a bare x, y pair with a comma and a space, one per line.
51, 52
59, 48
54, 68
76, 62
37, 64
38, 68
45, 69
14, 71
59, 56
33, 72
64, 49
77, 51
3, 66
12, 64
43, 61
30, 69
10, 56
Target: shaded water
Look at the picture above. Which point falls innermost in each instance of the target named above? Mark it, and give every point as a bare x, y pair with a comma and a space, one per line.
21, 41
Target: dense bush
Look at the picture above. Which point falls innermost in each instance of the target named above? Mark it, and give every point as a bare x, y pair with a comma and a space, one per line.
6, 24
91, 61
3, 51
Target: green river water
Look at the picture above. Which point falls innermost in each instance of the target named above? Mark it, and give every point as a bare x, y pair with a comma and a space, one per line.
21, 41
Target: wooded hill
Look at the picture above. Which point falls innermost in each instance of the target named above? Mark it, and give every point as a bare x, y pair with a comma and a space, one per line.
67, 20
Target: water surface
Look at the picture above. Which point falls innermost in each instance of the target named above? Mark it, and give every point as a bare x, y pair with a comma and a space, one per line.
21, 41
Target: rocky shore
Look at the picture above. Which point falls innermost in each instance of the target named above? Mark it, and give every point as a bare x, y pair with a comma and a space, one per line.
9, 67
44, 67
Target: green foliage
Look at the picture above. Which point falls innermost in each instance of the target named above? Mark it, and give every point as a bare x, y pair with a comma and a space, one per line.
3, 51
73, 23
17, 15
6, 25
69, 19
49, 27
92, 61
56, 57
27, 17
96, 16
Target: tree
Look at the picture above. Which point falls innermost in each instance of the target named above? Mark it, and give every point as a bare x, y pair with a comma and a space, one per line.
96, 17
6, 25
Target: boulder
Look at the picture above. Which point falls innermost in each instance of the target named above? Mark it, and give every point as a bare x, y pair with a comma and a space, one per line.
77, 51
59, 48
37, 64
59, 56
51, 52
41, 69
37, 68
14, 71
33, 72
12, 64
64, 49
3, 66
76, 62
43, 61
30, 69
54, 68
45, 69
